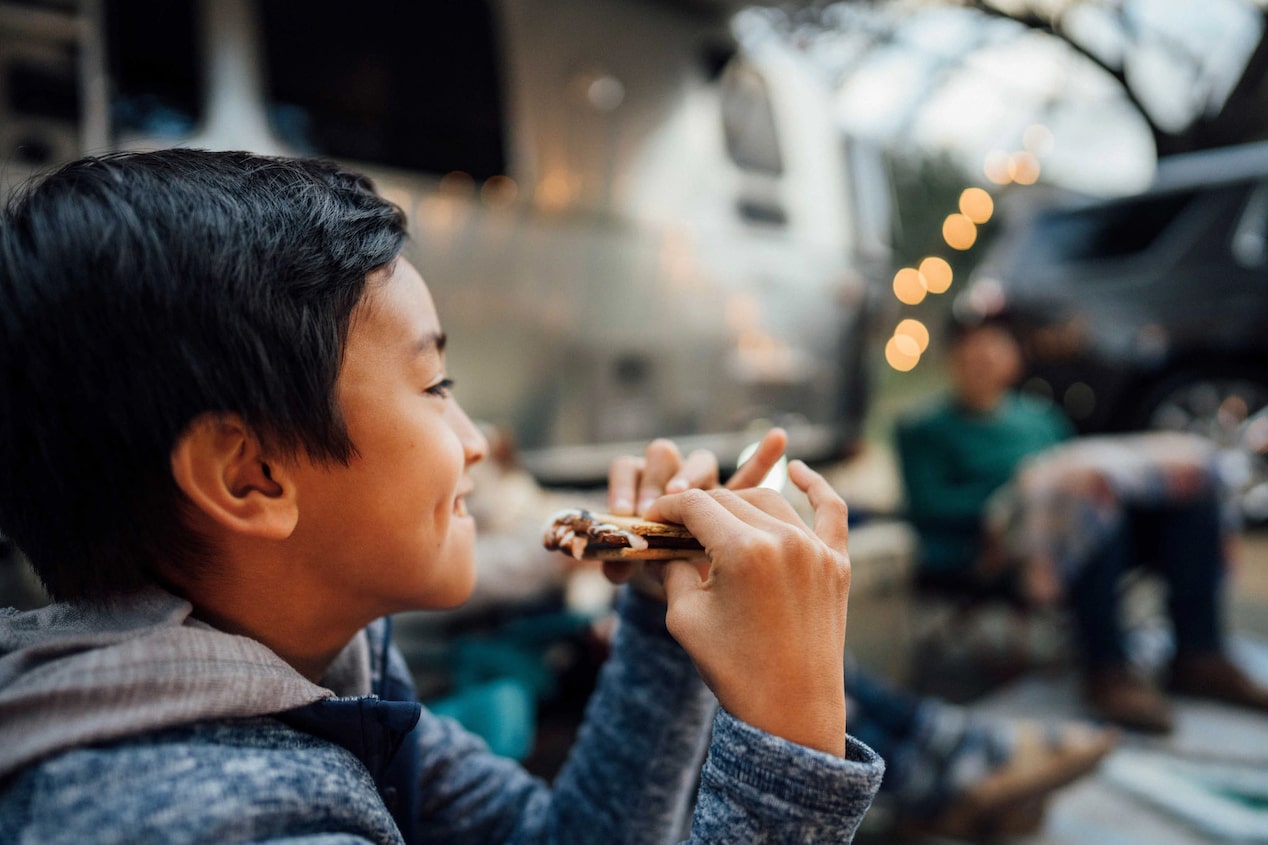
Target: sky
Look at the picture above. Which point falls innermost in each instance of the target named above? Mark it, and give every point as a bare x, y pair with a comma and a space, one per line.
950, 80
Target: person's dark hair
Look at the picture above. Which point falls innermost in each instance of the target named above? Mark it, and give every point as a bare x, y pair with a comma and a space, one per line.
139, 291
960, 325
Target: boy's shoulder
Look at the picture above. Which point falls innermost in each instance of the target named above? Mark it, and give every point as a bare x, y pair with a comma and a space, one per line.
233, 780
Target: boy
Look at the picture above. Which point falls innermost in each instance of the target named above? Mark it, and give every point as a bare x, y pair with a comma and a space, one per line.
229, 449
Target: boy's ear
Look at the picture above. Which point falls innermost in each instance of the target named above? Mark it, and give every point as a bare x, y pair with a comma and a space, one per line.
219, 465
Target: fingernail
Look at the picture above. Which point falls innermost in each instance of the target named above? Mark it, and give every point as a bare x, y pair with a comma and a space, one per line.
645, 503
623, 506
677, 485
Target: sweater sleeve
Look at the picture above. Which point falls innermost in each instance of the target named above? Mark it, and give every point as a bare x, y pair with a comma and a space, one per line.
758, 788
629, 776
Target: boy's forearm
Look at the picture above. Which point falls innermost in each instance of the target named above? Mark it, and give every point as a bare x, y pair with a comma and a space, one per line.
754, 782
811, 717
629, 776
640, 747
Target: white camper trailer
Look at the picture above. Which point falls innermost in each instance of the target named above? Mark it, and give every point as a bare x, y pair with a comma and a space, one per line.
637, 216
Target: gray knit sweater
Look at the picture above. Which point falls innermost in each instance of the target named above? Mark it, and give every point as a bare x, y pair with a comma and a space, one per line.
139, 724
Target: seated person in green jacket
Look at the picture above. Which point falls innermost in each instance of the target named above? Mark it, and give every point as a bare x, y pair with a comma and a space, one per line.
962, 455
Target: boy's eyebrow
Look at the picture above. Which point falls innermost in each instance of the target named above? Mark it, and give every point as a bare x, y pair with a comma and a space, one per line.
433, 342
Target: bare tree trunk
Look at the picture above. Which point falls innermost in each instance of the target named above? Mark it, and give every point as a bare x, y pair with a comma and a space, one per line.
1243, 117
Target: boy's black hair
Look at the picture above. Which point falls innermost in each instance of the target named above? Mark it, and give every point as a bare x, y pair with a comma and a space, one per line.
139, 291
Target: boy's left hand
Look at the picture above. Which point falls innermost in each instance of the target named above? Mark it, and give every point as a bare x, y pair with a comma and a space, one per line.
634, 483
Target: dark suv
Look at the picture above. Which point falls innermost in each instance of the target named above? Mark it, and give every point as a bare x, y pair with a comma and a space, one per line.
1151, 311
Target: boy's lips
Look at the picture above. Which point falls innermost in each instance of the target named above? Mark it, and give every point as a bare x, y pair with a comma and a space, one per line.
460, 501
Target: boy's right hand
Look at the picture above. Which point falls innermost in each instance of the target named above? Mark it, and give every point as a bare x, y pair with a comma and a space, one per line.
764, 617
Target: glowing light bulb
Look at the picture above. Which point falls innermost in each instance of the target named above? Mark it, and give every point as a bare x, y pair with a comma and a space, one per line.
936, 273
457, 183
909, 287
977, 205
1023, 167
996, 167
499, 191
914, 330
959, 232
902, 353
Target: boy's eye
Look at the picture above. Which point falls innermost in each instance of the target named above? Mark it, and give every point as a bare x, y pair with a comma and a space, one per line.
442, 388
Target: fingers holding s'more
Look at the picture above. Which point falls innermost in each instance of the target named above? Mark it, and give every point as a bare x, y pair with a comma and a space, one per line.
634, 482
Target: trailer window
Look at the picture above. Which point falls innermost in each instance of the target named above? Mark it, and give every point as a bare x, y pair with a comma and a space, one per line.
45, 89
748, 121
154, 58
410, 85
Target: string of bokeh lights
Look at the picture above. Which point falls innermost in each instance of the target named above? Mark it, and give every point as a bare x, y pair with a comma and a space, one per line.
933, 275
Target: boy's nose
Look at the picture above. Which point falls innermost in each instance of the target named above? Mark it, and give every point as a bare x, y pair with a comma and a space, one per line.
475, 446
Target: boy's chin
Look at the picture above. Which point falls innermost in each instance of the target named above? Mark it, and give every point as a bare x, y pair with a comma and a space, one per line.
449, 602
454, 595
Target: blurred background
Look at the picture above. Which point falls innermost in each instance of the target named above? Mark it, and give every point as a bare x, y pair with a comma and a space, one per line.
699, 218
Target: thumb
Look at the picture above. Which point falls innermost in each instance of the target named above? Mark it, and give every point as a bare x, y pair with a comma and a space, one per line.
683, 578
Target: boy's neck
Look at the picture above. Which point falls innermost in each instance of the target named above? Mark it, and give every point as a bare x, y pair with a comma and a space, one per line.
306, 640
